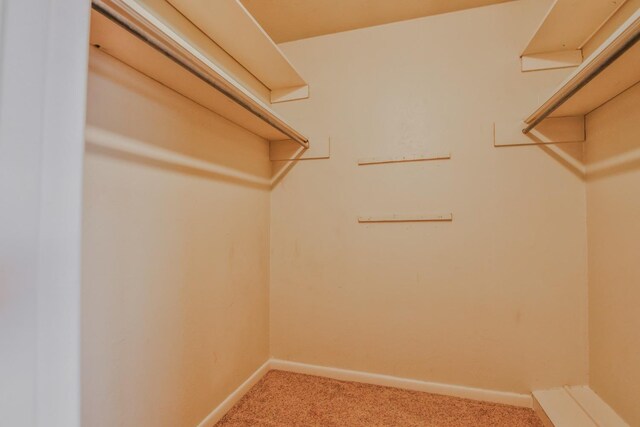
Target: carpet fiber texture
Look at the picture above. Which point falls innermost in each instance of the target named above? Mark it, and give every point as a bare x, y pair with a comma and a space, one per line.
287, 399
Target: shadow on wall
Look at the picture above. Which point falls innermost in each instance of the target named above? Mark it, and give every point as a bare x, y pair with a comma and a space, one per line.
621, 155
120, 147
182, 131
621, 151
569, 155
127, 149
620, 158
624, 162
280, 168
212, 149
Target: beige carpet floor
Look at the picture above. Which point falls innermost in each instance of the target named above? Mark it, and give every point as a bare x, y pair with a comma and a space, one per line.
286, 399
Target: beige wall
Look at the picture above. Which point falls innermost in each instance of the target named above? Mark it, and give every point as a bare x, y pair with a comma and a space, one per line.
497, 298
175, 259
613, 213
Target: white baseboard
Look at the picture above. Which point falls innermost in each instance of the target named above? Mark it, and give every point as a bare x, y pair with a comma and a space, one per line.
220, 411
558, 408
595, 407
575, 406
508, 398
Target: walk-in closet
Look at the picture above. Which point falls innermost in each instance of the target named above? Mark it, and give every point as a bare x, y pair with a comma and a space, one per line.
319, 213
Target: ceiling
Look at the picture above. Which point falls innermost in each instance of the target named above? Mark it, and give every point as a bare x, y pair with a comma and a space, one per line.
287, 20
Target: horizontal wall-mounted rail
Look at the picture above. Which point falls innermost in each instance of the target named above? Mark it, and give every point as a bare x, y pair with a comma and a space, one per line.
437, 217
403, 159
130, 16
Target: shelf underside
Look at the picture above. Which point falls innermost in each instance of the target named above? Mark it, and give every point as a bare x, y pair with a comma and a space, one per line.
124, 46
223, 21
615, 79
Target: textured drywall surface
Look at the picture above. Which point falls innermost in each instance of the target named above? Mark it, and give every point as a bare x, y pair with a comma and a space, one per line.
495, 299
175, 259
613, 210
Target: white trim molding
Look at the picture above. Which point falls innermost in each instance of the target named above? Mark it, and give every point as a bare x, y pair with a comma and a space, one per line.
507, 398
570, 406
235, 396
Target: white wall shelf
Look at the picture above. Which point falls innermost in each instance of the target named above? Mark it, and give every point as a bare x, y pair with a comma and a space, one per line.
127, 31
568, 25
607, 72
232, 27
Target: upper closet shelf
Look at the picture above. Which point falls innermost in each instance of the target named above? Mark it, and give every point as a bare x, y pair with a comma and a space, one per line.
569, 24
565, 29
233, 28
610, 70
127, 31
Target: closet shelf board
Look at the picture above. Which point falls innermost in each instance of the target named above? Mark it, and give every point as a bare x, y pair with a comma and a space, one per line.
232, 27
569, 24
162, 56
614, 78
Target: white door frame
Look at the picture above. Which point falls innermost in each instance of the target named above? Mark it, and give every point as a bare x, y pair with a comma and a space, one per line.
43, 71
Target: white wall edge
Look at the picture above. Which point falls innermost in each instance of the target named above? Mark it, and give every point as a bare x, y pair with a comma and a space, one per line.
507, 398
235, 396
58, 394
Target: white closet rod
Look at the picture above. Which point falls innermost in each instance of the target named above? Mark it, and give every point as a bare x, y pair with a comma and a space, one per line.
221, 86
619, 46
